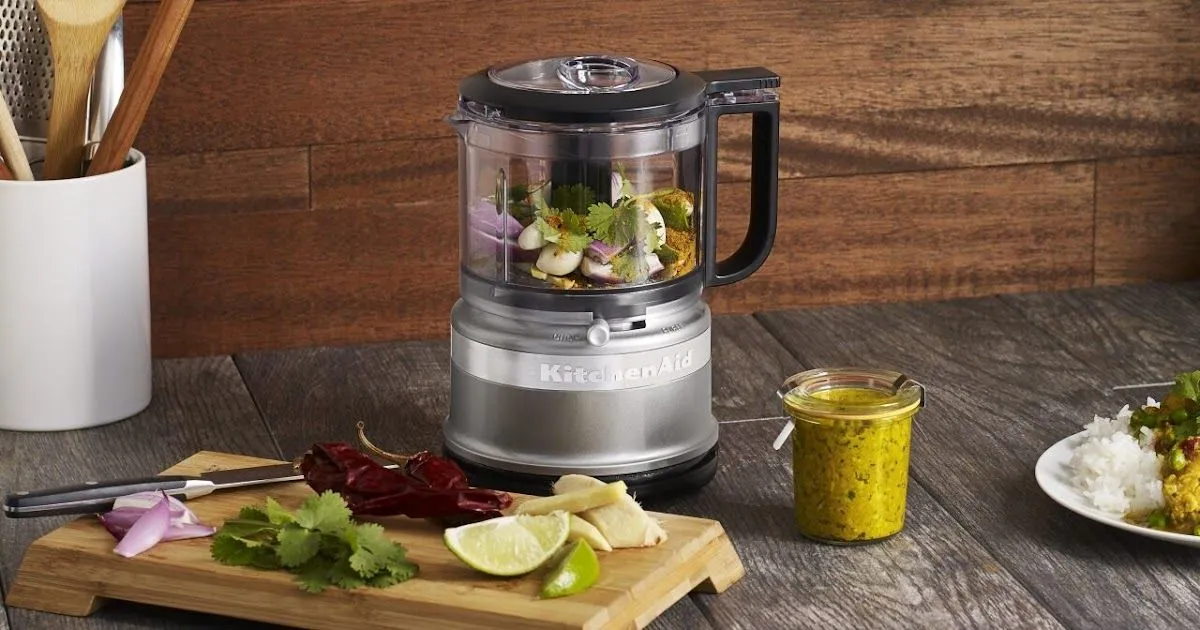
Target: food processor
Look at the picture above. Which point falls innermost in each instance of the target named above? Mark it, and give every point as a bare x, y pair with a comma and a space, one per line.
587, 193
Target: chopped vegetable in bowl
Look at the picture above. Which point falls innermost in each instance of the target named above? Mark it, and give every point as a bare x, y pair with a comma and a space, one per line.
564, 237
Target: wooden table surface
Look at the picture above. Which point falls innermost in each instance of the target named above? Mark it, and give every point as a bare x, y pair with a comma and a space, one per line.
983, 547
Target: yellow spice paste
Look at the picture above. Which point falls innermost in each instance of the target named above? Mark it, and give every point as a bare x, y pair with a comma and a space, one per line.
850, 469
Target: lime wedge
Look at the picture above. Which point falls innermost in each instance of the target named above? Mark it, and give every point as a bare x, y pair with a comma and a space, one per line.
576, 573
510, 545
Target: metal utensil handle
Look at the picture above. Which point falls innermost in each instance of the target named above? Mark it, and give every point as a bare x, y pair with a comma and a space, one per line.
108, 81
743, 91
96, 497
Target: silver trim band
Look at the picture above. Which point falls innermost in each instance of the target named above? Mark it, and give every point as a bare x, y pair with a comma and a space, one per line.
580, 373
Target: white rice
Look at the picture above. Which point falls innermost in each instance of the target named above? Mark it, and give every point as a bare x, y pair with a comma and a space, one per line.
1114, 471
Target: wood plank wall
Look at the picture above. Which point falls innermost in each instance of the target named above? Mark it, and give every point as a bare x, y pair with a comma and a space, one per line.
303, 182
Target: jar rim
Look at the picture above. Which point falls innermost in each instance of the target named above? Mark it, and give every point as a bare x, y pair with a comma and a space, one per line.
904, 394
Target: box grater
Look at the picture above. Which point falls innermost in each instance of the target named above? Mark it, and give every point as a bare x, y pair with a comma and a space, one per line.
26, 70
27, 73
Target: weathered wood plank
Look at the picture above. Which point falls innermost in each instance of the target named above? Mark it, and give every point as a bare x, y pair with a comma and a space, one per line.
401, 392
923, 138
1141, 334
948, 579
417, 175
364, 70
1148, 219
934, 575
868, 85
297, 279
954, 55
257, 180
199, 404
748, 367
915, 236
352, 275
1001, 391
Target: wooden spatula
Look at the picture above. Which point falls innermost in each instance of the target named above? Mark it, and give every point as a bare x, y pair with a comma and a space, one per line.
10, 146
77, 30
141, 85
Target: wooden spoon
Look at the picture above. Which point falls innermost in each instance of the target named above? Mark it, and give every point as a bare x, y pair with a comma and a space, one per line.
77, 30
10, 146
141, 85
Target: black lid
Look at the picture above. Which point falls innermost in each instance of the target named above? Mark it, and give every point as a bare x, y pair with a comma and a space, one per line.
585, 89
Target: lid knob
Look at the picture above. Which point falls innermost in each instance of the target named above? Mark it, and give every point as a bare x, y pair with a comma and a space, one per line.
598, 73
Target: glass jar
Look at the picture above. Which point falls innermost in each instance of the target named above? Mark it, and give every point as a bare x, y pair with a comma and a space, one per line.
596, 173
850, 451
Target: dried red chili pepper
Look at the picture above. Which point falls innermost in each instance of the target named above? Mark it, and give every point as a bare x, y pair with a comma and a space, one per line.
371, 489
436, 472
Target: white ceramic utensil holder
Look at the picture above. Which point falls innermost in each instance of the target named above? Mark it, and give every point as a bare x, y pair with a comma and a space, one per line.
74, 301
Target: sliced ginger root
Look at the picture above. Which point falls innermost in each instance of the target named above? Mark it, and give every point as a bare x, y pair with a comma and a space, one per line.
623, 523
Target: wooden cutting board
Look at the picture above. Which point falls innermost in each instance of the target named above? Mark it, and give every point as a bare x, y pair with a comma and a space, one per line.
73, 569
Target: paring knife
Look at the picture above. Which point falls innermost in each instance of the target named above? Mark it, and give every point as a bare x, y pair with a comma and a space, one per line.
93, 497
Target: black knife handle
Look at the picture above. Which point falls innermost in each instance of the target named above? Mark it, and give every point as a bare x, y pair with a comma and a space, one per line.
95, 497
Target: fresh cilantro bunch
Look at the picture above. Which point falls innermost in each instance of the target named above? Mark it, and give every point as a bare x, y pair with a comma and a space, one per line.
615, 226
319, 543
621, 224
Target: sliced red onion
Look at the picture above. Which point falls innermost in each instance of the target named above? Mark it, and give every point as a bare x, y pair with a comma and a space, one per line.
147, 531
598, 271
601, 272
146, 500
482, 216
602, 252
183, 532
129, 511
119, 520
481, 243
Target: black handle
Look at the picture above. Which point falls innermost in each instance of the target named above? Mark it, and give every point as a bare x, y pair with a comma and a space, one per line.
87, 498
743, 91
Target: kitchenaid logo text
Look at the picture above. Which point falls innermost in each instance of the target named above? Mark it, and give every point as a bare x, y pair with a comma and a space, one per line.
559, 373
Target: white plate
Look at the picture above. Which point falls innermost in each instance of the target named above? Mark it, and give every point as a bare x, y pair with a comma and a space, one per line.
1055, 479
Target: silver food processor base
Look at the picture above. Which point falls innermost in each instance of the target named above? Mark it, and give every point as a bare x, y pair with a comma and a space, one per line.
533, 400
673, 480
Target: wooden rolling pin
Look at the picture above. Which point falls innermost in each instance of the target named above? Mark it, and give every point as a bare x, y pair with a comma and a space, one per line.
141, 85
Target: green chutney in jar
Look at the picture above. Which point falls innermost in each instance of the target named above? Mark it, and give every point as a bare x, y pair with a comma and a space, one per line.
850, 452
